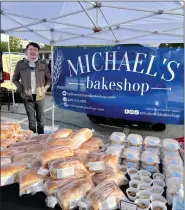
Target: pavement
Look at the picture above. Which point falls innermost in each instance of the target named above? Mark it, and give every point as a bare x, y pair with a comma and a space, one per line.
74, 120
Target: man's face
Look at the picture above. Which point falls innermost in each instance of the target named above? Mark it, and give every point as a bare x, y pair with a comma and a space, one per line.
32, 52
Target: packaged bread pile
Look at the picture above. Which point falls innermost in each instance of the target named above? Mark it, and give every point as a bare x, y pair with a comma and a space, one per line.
11, 133
69, 166
75, 169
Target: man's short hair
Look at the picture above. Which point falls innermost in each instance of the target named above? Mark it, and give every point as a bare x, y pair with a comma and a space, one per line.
34, 44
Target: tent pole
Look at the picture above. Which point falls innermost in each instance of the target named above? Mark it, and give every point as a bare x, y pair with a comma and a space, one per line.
10, 67
53, 111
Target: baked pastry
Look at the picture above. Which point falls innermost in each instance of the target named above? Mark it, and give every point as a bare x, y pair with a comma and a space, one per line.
15, 127
70, 167
6, 132
81, 136
54, 153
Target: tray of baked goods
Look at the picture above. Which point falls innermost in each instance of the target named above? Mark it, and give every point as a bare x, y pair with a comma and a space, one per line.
70, 169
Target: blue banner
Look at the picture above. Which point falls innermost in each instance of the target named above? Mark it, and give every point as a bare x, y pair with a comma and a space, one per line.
125, 82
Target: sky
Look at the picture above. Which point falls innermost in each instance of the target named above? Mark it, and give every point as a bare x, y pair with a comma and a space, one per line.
4, 38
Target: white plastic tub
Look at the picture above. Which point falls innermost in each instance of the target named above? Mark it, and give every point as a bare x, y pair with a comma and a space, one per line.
144, 194
132, 193
142, 204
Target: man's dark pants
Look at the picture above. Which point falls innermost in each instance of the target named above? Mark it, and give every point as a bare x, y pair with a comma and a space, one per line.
35, 113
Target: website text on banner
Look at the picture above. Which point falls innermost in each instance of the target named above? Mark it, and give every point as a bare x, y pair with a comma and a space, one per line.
126, 82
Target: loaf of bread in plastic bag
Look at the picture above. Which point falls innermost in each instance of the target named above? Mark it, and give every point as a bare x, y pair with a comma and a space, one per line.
81, 154
24, 157
68, 196
52, 186
106, 195
40, 137
8, 142
9, 152
67, 168
30, 179
61, 133
81, 136
35, 148
119, 178
9, 171
24, 144
94, 143
54, 153
5, 160
99, 161
65, 141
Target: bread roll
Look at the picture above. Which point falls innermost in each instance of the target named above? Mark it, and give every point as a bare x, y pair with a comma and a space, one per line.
69, 195
64, 169
61, 133
12, 169
81, 136
99, 162
68, 142
52, 186
29, 177
54, 153
107, 192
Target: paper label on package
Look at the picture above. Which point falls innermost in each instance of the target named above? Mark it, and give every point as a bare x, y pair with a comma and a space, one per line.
78, 143
96, 166
7, 180
124, 205
108, 204
65, 172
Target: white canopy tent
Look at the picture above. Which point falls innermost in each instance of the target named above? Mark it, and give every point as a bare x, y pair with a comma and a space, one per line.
94, 23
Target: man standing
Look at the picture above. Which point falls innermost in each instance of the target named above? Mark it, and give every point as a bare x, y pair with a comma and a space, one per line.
32, 79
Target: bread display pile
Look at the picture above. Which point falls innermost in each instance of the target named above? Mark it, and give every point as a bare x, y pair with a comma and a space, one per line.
11, 133
75, 168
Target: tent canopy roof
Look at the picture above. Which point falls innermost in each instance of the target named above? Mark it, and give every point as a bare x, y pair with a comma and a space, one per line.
93, 23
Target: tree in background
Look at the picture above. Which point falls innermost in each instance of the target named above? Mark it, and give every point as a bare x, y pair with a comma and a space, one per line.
15, 45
